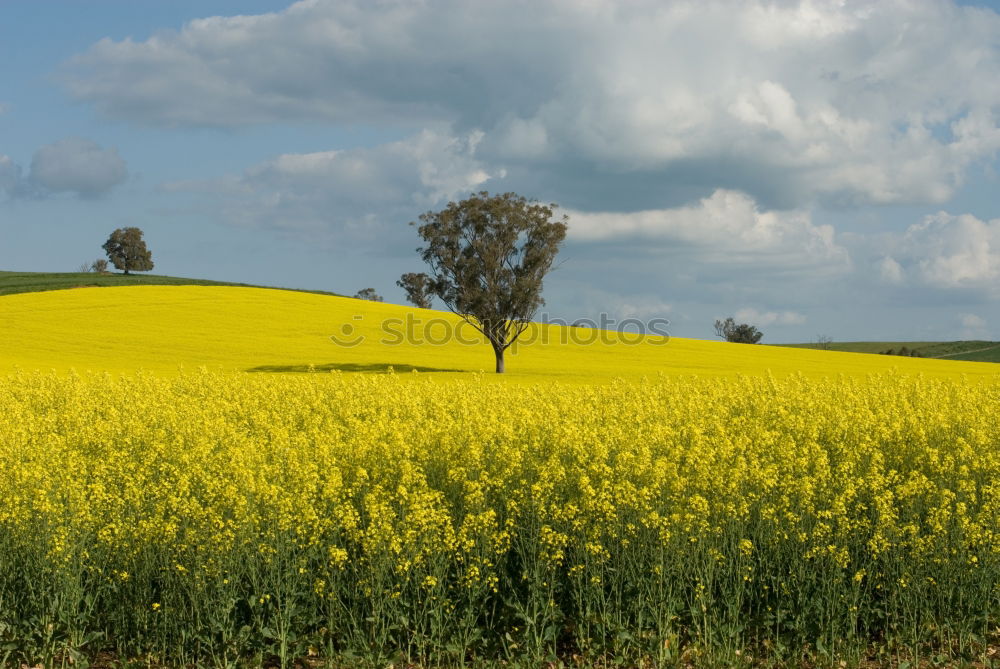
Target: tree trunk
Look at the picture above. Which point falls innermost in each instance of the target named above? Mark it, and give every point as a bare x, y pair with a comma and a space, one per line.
126, 271
498, 351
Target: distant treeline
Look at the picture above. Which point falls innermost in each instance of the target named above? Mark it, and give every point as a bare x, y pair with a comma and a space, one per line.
911, 352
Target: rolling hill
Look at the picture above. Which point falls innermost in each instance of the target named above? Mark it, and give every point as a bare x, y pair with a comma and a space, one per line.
974, 350
30, 282
164, 328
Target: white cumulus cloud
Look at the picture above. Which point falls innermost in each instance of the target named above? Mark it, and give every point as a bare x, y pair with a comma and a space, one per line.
972, 321
726, 228
954, 252
890, 271
973, 326
355, 188
853, 102
77, 165
640, 307
73, 165
765, 318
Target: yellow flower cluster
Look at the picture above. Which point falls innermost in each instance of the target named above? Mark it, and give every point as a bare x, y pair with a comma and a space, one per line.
403, 512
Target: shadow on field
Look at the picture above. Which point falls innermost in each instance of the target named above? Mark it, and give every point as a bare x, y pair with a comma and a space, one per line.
371, 367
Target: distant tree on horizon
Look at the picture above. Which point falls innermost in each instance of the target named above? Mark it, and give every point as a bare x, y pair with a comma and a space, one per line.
737, 333
418, 289
904, 351
368, 294
127, 251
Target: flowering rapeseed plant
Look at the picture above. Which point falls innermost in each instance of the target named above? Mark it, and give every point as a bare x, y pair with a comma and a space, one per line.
208, 516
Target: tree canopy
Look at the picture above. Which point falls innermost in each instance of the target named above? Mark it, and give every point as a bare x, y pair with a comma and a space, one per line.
737, 333
488, 256
127, 251
368, 294
418, 289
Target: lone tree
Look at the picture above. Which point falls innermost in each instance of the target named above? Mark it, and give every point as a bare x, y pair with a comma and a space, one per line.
488, 257
368, 294
418, 289
127, 251
737, 333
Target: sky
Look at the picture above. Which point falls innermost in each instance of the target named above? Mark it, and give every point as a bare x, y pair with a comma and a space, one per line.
814, 168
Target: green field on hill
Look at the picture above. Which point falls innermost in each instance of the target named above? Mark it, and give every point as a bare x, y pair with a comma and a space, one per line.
33, 282
971, 350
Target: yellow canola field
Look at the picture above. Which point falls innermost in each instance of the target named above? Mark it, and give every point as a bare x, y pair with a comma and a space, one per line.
205, 517
659, 503
166, 328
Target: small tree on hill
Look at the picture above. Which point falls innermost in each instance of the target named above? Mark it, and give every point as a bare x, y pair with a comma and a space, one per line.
127, 251
368, 294
100, 266
488, 257
737, 333
418, 289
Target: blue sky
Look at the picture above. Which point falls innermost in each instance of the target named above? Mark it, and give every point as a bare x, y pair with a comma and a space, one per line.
814, 168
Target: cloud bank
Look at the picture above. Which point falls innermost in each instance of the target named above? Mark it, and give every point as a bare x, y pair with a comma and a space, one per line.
699, 146
974, 326
356, 190
950, 252
72, 165
765, 318
78, 166
846, 103
727, 228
